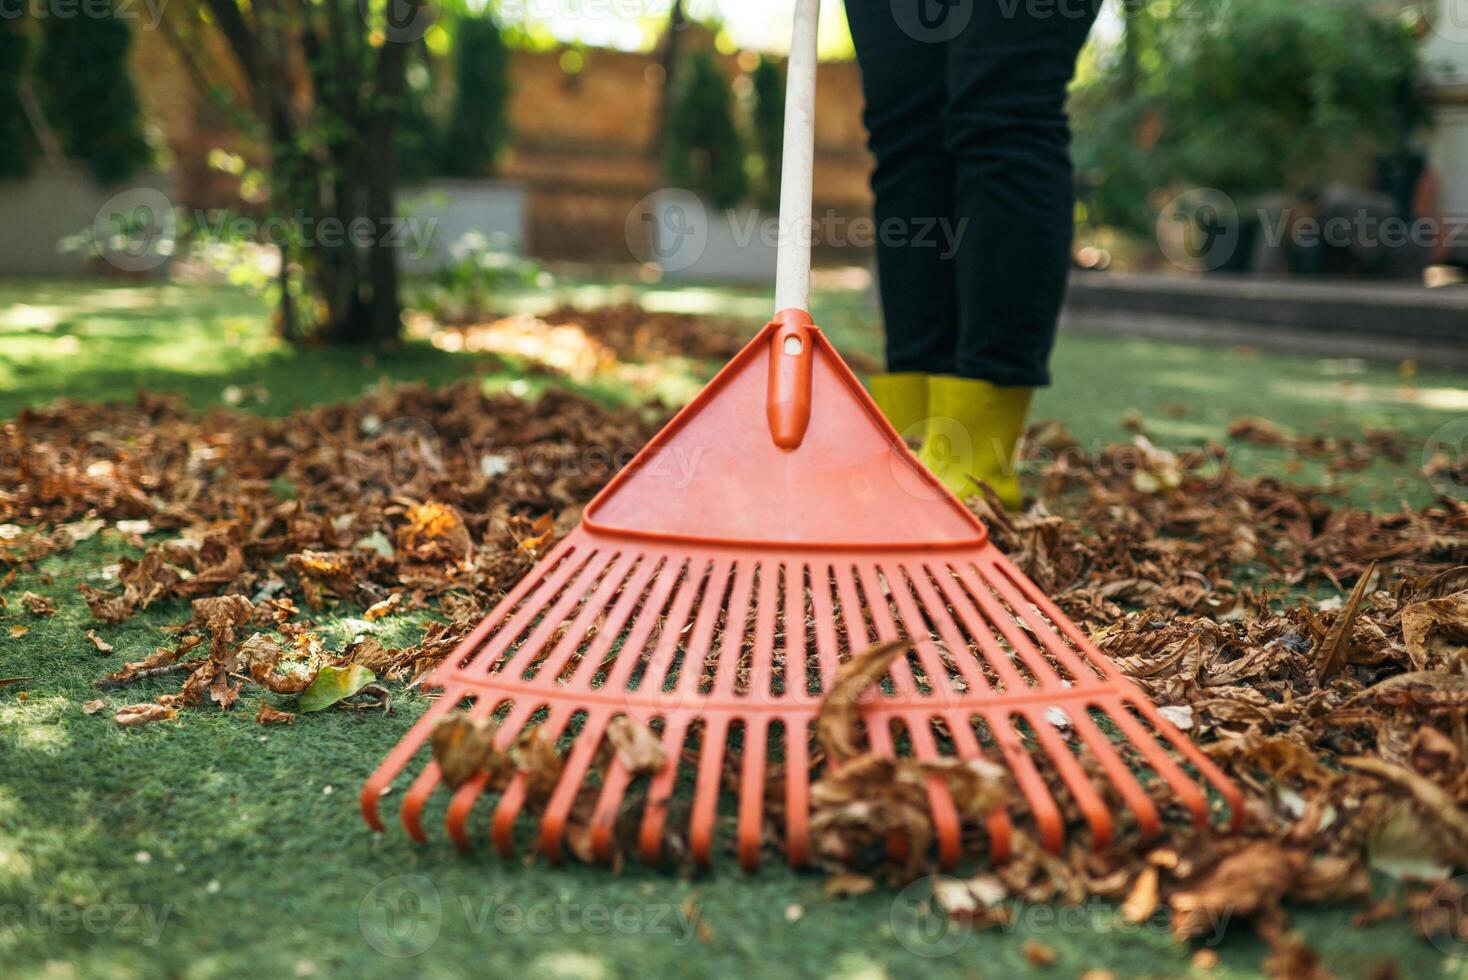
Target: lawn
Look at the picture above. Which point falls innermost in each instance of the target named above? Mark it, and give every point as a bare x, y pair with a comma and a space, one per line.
211, 846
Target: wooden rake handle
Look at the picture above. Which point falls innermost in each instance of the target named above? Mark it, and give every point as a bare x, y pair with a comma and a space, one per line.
791, 342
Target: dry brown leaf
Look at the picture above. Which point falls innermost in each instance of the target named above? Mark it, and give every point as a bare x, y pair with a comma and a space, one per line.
463, 747
638, 747
1143, 898
1331, 657
102, 645
1246, 883
836, 722
37, 605
266, 715
142, 714
93, 706
1436, 629
1434, 802
844, 884
386, 607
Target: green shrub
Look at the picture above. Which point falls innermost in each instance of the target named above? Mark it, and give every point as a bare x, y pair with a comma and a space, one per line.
1257, 96
15, 130
89, 95
703, 151
767, 115
478, 129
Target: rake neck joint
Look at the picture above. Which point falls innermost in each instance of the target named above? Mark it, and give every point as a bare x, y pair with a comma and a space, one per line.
792, 356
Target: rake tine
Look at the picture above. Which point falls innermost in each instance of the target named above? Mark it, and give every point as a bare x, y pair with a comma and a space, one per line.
946, 823
1093, 807
502, 824
461, 804
655, 815
1048, 818
402, 754
706, 787
752, 791
997, 822
1142, 807
1180, 781
797, 791
558, 807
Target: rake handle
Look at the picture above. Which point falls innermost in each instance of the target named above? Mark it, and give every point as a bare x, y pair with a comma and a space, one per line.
797, 165
791, 353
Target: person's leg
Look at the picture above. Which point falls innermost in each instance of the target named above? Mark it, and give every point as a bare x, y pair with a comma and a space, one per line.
904, 88
1006, 130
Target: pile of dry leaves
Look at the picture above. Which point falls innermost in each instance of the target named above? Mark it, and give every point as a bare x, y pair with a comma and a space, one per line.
1343, 717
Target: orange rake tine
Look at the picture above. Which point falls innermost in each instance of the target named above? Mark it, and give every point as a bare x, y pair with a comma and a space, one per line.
771, 531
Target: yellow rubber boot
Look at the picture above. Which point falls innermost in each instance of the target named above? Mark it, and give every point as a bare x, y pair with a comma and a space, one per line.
972, 433
903, 398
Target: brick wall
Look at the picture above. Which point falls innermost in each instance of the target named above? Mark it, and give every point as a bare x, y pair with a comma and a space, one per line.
581, 142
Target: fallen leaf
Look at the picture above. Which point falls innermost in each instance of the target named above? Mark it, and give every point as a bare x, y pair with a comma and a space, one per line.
463, 746
16, 632
1142, 900
102, 645
836, 722
386, 607
334, 684
93, 706
1246, 883
142, 714
266, 715
1331, 657
844, 884
37, 605
638, 747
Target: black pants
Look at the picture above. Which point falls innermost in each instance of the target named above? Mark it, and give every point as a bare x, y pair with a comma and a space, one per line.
965, 113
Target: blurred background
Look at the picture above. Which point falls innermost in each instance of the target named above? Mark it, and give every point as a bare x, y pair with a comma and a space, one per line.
1282, 172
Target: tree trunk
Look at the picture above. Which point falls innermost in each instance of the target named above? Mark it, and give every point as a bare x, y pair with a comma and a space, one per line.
384, 312
672, 44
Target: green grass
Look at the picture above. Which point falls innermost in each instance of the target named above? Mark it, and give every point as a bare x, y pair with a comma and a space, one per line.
246, 844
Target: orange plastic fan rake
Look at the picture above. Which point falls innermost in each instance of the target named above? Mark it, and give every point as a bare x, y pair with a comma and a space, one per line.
777, 526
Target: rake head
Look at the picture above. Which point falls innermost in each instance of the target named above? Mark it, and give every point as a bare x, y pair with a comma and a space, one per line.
713, 589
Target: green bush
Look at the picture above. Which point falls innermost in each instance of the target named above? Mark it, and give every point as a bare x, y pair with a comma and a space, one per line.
15, 129
1252, 98
478, 129
767, 115
703, 151
418, 135
89, 95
